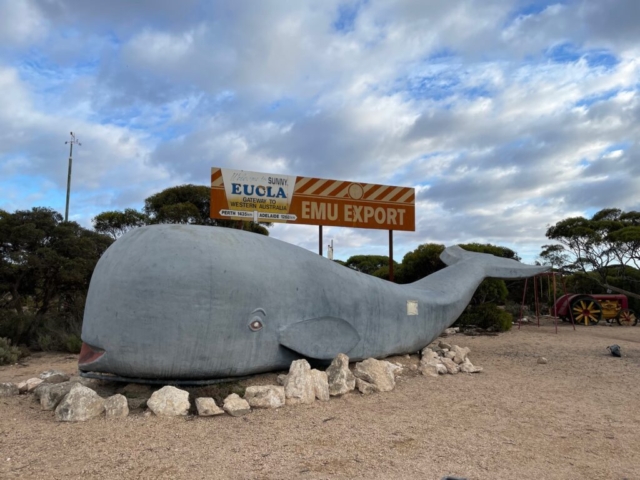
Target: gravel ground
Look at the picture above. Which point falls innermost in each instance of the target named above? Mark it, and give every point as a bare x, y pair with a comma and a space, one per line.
574, 418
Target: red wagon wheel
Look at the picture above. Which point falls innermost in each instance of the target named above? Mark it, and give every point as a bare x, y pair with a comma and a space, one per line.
586, 311
627, 318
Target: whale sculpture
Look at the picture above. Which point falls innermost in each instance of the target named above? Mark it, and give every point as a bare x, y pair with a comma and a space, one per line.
186, 302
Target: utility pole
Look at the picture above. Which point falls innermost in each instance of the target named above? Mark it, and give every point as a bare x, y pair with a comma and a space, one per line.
70, 142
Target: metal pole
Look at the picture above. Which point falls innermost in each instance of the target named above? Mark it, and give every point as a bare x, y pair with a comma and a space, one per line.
391, 255
66, 210
535, 293
70, 142
524, 294
320, 241
555, 300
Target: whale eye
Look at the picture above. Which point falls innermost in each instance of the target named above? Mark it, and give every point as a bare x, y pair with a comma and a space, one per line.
255, 324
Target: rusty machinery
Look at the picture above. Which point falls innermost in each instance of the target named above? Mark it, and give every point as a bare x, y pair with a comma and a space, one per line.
590, 309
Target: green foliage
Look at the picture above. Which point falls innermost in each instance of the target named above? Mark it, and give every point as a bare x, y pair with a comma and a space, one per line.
608, 238
492, 290
486, 316
369, 264
419, 263
190, 204
116, 223
44, 261
8, 353
73, 343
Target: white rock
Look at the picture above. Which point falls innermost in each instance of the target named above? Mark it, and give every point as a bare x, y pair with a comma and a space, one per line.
365, 388
169, 402
451, 366
460, 354
269, 396
236, 406
450, 355
51, 394
468, 367
8, 389
394, 368
281, 379
29, 385
207, 407
320, 385
54, 376
299, 386
340, 378
377, 373
116, 406
429, 369
429, 354
542, 361
444, 345
79, 405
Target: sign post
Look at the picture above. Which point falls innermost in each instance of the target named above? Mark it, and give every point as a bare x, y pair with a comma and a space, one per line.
267, 197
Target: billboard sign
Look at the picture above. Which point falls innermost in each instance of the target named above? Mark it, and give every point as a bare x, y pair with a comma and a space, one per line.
267, 197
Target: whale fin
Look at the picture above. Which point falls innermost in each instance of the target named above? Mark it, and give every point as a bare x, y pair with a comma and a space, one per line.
496, 267
322, 338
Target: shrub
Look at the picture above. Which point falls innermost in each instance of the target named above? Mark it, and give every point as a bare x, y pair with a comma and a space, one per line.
73, 343
486, 315
8, 353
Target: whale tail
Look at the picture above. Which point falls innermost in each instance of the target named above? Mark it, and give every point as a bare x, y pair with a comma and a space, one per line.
496, 267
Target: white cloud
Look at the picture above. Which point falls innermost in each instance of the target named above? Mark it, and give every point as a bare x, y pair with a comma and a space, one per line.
468, 101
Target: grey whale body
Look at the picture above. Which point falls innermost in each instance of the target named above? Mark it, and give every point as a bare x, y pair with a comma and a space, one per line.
189, 302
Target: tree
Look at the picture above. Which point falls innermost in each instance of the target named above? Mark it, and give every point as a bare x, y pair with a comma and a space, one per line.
368, 264
115, 223
45, 259
610, 237
421, 262
190, 204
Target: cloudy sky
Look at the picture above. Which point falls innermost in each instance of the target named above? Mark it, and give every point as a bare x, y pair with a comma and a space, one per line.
505, 115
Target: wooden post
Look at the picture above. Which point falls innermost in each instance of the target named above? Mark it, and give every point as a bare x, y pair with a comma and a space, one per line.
524, 294
320, 241
391, 255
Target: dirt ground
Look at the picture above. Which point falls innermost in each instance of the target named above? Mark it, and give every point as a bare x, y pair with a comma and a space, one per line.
576, 417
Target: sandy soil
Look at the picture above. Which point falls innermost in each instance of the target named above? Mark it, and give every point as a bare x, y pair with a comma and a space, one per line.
574, 418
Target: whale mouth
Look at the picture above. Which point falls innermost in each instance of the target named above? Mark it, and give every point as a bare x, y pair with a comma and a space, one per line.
89, 354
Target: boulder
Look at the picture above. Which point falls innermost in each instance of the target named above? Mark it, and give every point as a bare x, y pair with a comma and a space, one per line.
430, 364
207, 407
169, 402
29, 385
377, 373
320, 385
450, 355
269, 396
451, 366
428, 354
8, 389
339, 377
54, 376
116, 406
50, 394
460, 354
429, 369
365, 388
281, 379
299, 386
79, 405
236, 406
444, 345
468, 367
394, 368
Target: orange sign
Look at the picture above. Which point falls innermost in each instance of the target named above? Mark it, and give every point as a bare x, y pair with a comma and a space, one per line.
265, 197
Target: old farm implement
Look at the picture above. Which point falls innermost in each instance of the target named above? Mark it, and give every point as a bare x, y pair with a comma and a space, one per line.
590, 309
581, 309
